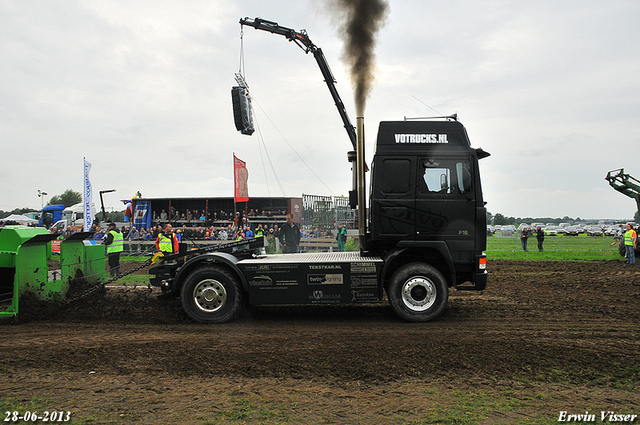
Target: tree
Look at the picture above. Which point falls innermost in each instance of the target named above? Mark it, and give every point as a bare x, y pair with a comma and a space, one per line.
18, 211
115, 216
499, 219
68, 198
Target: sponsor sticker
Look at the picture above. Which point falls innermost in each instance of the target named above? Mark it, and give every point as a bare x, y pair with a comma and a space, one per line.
325, 279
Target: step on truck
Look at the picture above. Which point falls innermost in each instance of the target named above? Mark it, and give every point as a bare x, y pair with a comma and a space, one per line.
425, 231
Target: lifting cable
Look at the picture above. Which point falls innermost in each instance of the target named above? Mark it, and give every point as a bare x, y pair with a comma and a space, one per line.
243, 83
241, 80
261, 146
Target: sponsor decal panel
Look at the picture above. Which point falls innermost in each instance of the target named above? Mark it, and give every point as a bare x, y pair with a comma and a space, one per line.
325, 279
363, 267
261, 280
320, 297
364, 281
363, 295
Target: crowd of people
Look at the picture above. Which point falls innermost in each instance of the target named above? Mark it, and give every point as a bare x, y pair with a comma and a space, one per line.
190, 217
289, 234
166, 237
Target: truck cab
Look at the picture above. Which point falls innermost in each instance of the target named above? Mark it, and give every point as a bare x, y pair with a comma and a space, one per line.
50, 215
426, 198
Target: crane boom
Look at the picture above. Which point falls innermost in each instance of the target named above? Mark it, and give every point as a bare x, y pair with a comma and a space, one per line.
302, 40
625, 184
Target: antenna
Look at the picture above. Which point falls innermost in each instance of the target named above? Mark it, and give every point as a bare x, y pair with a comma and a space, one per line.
426, 105
452, 117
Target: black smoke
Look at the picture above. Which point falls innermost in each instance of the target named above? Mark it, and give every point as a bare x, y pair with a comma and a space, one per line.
360, 22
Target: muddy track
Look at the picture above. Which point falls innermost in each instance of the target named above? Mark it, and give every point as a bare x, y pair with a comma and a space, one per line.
539, 322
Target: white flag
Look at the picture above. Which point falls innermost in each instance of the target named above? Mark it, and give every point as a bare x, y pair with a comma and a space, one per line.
87, 197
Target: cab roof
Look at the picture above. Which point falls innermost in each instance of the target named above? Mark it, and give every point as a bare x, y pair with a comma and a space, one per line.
414, 136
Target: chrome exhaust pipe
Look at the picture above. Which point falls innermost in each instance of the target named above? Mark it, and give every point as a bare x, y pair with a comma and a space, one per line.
361, 180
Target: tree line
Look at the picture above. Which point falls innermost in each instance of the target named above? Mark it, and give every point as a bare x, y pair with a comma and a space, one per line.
67, 198
503, 220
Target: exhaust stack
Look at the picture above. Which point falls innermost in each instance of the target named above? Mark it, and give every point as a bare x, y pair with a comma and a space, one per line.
361, 180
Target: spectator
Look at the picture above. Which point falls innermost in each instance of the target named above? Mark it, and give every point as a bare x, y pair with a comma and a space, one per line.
341, 237
114, 243
540, 237
99, 234
133, 235
167, 241
630, 243
289, 236
526, 232
619, 236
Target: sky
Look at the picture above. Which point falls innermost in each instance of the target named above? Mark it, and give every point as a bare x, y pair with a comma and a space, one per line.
142, 90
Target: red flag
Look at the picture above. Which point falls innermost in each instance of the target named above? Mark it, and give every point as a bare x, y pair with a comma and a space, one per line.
240, 177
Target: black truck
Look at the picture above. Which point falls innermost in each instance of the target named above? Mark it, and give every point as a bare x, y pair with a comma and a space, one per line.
424, 233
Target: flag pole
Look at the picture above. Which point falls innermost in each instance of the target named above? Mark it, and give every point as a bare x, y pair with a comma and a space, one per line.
235, 213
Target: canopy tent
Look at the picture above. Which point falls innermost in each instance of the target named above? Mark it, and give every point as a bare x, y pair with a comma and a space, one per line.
18, 218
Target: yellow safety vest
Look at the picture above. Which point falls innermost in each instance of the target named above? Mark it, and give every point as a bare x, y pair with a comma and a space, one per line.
165, 243
628, 237
118, 243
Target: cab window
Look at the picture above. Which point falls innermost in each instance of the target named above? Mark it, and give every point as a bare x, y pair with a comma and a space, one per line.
444, 176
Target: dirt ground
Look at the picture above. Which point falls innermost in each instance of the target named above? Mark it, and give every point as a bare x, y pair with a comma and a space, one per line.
542, 339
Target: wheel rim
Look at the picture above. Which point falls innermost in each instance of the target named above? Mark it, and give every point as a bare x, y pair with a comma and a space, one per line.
210, 295
419, 293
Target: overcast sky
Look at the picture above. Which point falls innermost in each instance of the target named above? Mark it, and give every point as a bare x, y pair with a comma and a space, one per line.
142, 90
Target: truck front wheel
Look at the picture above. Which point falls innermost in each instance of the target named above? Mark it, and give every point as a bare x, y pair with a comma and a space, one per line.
418, 292
211, 295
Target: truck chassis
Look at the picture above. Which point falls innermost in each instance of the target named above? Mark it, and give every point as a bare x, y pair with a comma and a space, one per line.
213, 283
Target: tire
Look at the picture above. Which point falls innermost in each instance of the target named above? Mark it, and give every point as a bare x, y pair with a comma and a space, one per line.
211, 295
418, 292
623, 250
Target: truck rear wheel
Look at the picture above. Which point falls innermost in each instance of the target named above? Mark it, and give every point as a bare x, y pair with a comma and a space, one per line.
211, 295
418, 292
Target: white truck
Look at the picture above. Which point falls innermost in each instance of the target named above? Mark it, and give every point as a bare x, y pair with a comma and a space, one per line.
72, 216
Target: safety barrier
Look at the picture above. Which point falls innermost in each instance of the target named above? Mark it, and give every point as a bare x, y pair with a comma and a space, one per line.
318, 244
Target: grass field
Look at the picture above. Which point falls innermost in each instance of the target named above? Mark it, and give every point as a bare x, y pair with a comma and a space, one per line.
556, 248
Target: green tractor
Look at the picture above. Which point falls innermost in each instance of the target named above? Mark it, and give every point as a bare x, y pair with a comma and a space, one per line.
628, 186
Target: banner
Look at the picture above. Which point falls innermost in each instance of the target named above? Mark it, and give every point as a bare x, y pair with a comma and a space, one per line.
87, 196
240, 177
142, 214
